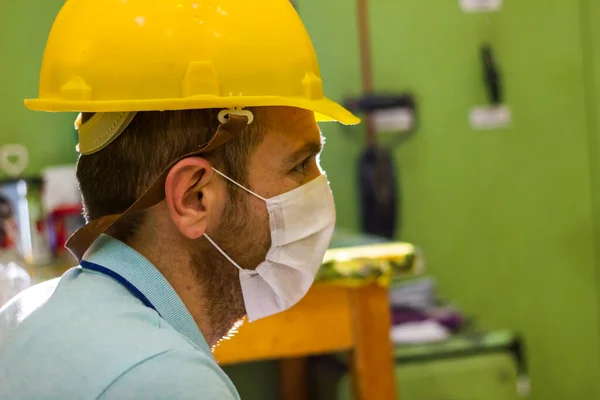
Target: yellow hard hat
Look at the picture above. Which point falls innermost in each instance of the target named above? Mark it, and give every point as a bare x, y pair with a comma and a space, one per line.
148, 55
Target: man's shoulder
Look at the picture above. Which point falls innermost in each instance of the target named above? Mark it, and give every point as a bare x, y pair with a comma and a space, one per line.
86, 348
173, 374
80, 320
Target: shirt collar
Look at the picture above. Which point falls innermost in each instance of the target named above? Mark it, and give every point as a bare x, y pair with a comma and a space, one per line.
115, 255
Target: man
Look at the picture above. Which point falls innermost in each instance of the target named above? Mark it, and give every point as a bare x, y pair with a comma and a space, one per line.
200, 180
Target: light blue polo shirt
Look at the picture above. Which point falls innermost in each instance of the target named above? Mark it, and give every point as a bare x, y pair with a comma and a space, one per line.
93, 339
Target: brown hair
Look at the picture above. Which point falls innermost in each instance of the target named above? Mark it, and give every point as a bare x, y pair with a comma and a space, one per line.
112, 179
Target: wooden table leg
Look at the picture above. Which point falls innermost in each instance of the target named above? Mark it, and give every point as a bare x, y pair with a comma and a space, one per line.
373, 357
293, 379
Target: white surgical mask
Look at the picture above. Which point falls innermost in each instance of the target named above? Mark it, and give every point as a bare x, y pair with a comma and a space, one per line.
301, 223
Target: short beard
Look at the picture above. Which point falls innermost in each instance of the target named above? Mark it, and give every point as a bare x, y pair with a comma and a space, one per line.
243, 239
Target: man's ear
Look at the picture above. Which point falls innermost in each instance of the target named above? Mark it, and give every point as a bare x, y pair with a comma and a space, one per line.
189, 195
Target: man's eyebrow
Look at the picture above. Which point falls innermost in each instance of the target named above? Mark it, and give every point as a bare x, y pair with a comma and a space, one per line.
309, 149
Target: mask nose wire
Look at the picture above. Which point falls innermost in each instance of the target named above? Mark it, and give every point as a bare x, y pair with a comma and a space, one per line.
239, 185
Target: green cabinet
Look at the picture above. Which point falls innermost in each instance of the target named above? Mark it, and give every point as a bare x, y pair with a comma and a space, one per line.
476, 366
479, 377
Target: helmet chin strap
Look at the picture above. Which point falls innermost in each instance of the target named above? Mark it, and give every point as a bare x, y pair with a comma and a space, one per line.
81, 240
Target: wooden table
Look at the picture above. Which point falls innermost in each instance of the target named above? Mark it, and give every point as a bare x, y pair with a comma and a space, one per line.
329, 319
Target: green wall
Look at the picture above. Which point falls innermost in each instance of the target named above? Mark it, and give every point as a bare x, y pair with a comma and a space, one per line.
50, 138
590, 15
333, 31
508, 219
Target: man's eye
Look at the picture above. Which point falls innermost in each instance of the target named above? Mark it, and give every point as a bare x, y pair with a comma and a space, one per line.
302, 166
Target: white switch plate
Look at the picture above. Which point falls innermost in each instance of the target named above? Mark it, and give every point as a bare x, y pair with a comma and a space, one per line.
486, 117
480, 5
398, 119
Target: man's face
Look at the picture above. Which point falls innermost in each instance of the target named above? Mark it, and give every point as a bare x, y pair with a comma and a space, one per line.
286, 159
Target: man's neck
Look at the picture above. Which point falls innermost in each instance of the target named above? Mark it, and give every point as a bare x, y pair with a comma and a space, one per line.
176, 268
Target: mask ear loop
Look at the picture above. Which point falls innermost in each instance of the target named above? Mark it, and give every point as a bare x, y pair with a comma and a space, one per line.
212, 241
240, 186
222, 252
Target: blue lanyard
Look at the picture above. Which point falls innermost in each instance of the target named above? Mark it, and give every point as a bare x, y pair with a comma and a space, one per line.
124, 282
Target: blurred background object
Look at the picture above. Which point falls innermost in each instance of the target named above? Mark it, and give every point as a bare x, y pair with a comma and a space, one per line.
62, 201
47, 210
25, 195
13, 278
13, 159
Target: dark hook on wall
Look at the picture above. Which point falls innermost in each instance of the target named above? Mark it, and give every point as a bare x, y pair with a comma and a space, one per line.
492, 76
